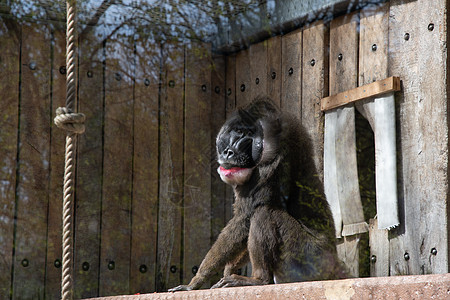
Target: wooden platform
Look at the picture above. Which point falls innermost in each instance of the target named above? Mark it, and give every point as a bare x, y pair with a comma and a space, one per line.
398, 287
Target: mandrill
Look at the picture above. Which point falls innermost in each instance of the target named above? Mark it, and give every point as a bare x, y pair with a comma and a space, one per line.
282, 222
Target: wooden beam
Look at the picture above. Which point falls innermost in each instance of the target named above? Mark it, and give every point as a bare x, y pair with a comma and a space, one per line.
377, 88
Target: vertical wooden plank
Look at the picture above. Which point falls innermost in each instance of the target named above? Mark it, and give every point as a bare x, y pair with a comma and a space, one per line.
274, 69
379, 250
231, 87
291, 99
258, 81
417, 54
197, 158
34, 148
220, 203
433, 239
373, 60
54, 230
343, 76
314, 86
88, 196
230, 107
145, 174
170, 168
243, 78
117, 168
403, 61
218, 113
9, 89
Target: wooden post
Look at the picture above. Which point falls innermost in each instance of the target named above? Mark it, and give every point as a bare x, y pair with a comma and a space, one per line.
9, 89
170, 168
341, 177
34, 149
89, 168
197, 158
117, 169
417, 53
145, 166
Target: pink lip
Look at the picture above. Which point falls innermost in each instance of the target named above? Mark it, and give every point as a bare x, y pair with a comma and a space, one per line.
228, 172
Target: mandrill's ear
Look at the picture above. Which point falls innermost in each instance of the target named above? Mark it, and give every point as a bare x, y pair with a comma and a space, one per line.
272, 134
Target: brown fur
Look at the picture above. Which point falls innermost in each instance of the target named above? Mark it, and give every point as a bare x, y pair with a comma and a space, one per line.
282, 222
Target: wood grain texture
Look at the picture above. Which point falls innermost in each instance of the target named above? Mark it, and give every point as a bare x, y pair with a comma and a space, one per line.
145, 167
197, 159
291, 96
117, 169
315, 86
244, 81
219, 201
9, 105
34, 148
343, 76
274, 68
423, 129
54, 226
170, 168
259, 77
89, 176
373, 68
379, 250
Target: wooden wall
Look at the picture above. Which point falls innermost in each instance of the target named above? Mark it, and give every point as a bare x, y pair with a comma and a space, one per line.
148, 199
146, 212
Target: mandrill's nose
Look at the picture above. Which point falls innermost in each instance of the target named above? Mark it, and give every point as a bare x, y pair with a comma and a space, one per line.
228, 153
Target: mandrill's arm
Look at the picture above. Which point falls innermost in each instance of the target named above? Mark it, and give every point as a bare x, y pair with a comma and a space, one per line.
230, 244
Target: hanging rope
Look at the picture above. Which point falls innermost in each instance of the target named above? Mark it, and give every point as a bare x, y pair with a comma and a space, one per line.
73, 124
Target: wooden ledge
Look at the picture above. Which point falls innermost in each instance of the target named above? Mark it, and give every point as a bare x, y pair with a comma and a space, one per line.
374, 89
435, 286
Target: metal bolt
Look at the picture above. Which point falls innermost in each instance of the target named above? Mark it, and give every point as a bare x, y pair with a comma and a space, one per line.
173, 269
406, 256
118, 76
312, 62
147, 82
204, 88
32, 65
274, 75
57, 263
229, 92
194, 270
434, 251
62, 70
111, 265
374, 47
291, 71
242, 87
85, 266
430, 27
340, 56
217, 90
171, 83
25, 263
373, 259
89, 74
143, 269
257, 80
406, 36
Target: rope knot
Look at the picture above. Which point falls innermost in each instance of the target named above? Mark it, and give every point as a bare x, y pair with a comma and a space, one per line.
69, 121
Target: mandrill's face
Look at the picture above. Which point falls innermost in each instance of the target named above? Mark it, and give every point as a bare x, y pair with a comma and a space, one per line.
240, 145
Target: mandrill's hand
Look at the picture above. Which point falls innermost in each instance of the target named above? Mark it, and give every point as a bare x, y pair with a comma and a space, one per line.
181, 288
231, 281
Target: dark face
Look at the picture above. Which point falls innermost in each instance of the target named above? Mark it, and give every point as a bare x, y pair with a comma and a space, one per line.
239, 148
